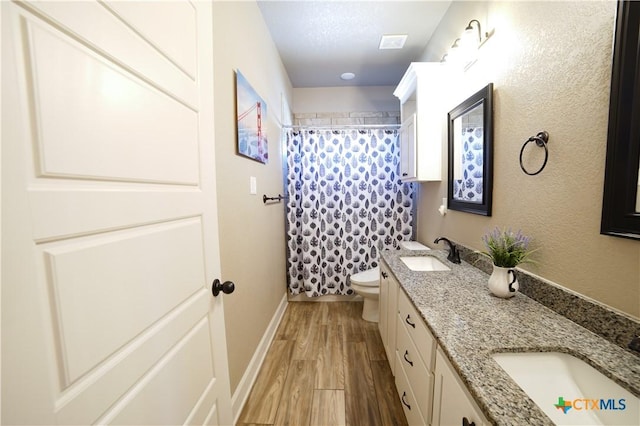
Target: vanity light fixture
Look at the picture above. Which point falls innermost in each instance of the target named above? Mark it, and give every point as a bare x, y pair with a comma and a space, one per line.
464, 50
471, 37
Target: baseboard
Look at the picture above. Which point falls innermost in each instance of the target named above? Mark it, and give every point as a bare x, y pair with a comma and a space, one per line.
250, 375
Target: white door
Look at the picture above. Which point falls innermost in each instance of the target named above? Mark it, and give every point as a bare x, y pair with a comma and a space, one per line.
109, 223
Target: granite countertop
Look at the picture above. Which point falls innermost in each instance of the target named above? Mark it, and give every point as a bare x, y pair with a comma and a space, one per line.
470, 324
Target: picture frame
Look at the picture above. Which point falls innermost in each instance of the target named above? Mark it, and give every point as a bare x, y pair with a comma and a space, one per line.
251, 112
621, 196
470, 134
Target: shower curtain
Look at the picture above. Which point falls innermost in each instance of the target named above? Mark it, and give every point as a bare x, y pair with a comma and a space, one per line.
467, 184
345, 204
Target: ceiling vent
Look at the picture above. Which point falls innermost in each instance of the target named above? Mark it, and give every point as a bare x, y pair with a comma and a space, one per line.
392, 41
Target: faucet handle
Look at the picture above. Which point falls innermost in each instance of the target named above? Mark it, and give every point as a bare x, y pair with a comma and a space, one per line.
454, 254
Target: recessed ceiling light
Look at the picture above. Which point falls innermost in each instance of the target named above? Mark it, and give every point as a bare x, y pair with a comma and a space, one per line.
392, 41
347, 76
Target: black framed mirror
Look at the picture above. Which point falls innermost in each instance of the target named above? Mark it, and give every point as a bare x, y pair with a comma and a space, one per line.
621, 200
471, 154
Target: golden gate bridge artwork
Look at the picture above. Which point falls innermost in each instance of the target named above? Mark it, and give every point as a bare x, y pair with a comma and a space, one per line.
251, 109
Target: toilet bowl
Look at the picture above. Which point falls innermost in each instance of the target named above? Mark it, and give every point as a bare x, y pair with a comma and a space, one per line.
367, 284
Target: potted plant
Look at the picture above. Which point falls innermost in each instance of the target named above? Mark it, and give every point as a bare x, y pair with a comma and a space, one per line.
506, 249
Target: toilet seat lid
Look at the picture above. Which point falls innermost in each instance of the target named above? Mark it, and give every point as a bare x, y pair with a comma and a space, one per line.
368, 278
412, 245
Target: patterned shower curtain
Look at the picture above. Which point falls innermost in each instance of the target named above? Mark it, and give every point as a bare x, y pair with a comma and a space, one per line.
468, 186
345, 204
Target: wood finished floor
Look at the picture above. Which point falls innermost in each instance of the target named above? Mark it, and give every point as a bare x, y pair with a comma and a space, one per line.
326, 366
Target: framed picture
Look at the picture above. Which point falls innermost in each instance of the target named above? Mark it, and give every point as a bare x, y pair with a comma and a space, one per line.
471, 154
621, 199
251, 112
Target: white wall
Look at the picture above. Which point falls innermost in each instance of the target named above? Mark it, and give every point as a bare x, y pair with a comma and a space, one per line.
344, 99
252, 236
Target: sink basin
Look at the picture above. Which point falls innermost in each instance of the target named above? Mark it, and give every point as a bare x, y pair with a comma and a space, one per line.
570, 391
424, 263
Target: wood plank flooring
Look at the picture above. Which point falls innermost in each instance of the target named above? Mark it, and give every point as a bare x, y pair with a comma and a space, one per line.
326, 366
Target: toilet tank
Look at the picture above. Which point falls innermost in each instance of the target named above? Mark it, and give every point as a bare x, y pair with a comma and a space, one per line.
412, 245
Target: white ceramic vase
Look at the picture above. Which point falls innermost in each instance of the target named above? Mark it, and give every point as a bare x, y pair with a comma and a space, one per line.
503, 282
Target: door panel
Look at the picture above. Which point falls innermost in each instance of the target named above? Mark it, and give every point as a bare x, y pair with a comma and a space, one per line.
97, 207
167, 394
89, 294
173, 32
110, 380
105, 33
117, 126
108, 195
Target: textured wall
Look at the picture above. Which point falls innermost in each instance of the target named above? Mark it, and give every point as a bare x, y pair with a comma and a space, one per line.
550, 63
252, 237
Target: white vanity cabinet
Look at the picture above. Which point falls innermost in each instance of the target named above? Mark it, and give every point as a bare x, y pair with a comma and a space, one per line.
415, 361
452, 402
388, 305
423, 116
430, 390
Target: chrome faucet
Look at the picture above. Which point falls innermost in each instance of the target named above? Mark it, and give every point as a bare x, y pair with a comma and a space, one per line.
454, 254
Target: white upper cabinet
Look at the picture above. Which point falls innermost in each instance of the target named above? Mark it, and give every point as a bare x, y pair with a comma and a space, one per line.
423, 132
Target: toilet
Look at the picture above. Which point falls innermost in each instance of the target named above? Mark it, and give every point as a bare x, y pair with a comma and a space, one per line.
367, 284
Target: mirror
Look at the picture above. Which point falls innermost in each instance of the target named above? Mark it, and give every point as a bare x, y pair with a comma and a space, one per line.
471, 154
621, 200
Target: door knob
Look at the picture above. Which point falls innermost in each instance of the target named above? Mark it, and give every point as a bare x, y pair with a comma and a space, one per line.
226, 287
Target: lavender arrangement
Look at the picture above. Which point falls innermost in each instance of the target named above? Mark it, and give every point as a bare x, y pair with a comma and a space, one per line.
507, 249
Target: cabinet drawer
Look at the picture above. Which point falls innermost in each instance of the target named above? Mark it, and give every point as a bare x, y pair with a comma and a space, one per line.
420, 379
411, 320
407, 400
452, 401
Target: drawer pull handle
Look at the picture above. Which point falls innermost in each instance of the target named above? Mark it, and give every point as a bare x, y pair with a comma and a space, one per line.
408, 321
466, 422
405, 402
407, 359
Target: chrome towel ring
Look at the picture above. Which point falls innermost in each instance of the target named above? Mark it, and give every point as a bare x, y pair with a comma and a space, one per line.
541, 139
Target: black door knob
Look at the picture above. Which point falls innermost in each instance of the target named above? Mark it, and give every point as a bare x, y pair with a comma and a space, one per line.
226, 287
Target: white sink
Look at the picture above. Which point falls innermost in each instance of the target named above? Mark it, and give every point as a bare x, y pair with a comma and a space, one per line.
424, 263
548, 376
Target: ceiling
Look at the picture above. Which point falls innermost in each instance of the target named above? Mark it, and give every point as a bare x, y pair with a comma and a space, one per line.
320, 40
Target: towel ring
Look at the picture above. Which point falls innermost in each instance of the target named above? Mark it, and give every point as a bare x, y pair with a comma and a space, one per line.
541, 139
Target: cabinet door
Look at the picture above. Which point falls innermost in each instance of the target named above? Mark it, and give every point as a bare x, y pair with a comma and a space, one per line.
383, 303
451, 401
408, 149
392, 316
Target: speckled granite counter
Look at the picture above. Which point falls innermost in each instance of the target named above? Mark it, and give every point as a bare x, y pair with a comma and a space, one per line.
470, 324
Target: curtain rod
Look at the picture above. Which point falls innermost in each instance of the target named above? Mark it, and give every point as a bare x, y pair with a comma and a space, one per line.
343, 126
